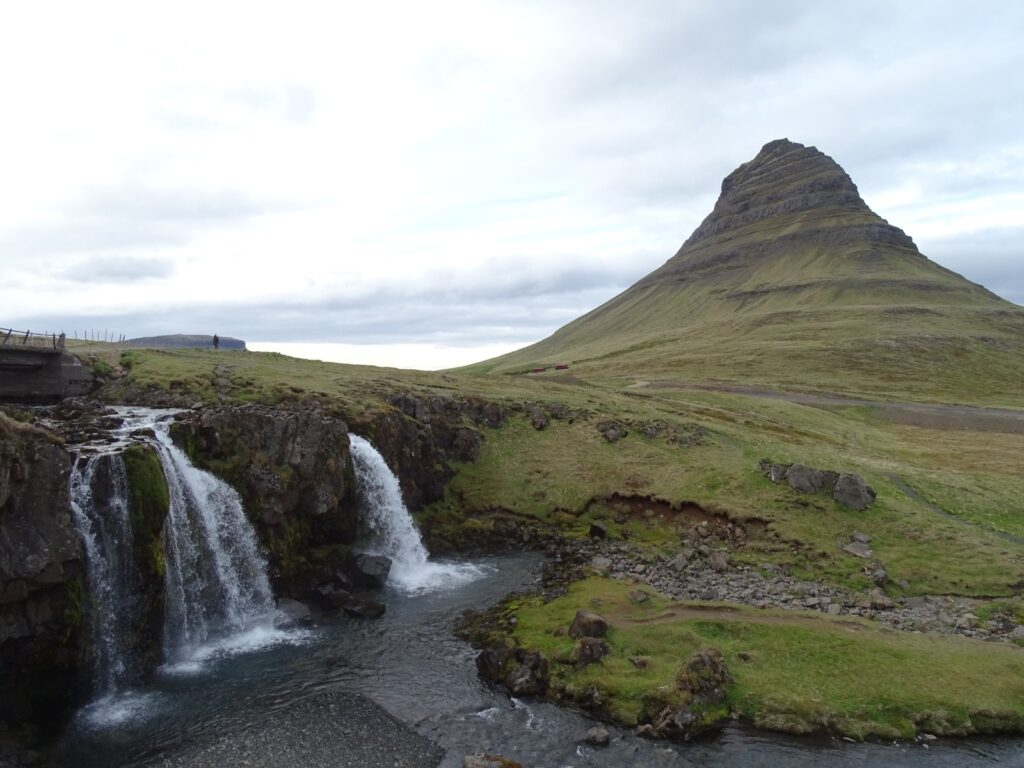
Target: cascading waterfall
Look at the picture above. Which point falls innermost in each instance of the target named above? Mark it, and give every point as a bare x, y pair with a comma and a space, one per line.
394, 531
216, 578
102, 520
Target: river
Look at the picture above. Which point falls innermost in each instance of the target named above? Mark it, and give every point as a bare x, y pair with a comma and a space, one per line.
410, 662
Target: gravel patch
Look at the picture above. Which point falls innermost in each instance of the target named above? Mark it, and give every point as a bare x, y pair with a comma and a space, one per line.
333, 729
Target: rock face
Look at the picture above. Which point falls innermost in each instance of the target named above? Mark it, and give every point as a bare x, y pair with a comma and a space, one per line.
294, 474
42, 583
423, 434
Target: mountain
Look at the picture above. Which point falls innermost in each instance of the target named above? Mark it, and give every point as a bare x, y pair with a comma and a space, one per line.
185, 341
793, 281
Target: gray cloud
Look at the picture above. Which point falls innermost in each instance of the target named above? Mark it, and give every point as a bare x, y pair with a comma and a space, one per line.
131, 215
119, 269
992, 257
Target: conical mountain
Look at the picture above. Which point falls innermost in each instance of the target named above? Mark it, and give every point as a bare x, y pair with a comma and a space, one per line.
792, 281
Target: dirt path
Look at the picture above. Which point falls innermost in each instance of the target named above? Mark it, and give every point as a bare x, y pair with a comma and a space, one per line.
927, 415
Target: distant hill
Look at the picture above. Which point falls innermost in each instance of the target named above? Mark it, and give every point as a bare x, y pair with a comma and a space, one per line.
792, 281
185, 341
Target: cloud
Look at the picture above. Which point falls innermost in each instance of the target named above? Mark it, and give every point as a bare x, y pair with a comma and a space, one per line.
119, 269
485, 170
128, 216
992, 257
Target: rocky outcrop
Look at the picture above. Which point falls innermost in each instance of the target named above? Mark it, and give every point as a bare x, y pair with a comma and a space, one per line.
42, 584
423, 434
849, 490
293, 471
697, 703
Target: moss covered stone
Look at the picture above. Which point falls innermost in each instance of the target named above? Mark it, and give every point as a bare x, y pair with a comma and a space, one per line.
149, 502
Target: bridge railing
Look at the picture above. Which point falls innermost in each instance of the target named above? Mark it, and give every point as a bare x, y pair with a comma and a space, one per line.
11, 339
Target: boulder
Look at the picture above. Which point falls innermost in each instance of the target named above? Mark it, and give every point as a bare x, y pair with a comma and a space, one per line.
808, 480
368, 571
879, 601
858, 549
1017, 635
588, 624
601, 563
719, 561
537, 417
597, 736
361, 608
612, 431
588, 650
853, 493
597, 531
292, 613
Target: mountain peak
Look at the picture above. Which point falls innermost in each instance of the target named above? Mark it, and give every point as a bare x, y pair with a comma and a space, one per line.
783, 180
792, 280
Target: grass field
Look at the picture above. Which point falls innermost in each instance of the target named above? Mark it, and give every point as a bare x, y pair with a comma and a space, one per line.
793, 672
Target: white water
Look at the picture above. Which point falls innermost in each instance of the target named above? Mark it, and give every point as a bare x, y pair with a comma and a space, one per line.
216, 582
394, 533
103, 524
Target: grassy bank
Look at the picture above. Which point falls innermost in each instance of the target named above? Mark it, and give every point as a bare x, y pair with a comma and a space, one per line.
792, 672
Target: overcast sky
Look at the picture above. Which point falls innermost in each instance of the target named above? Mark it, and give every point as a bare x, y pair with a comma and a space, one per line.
426, 184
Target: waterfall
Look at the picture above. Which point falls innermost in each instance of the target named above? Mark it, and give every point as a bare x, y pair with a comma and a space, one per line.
102, 520
216, 578
394, 534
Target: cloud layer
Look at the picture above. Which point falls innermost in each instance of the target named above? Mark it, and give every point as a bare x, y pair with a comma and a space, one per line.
466, 173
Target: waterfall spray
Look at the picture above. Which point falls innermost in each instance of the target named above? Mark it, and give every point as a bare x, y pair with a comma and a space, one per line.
394, 532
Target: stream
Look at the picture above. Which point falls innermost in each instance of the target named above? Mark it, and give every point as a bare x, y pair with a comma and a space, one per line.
410, 662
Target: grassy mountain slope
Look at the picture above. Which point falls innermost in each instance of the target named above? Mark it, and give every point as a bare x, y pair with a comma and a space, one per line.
792, 281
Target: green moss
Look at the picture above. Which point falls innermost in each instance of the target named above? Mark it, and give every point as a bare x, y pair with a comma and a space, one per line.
149, 504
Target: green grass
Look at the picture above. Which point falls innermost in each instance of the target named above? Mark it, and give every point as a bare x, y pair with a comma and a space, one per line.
793, 672
551, 476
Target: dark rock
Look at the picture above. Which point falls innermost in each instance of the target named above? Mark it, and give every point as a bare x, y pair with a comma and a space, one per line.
537, 417
880, 601
853, 493
41, 577
527, 679
292, 613
588, 624
808, 480
857, 549
640, 662
366, 570
612, 431
597, 531
294, 473
588, 650
490, 662
719, 561
702, 685
362, 608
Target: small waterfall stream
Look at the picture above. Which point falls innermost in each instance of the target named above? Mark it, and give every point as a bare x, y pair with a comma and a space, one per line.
217, 596
216, 578
99, 507
394, 531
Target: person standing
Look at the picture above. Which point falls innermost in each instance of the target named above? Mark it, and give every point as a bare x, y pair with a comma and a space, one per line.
216, 341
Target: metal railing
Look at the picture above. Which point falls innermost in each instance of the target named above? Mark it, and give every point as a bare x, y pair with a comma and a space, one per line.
12, 339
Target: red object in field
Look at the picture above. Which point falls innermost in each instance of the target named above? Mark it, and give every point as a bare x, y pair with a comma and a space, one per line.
538, 370
562, 367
